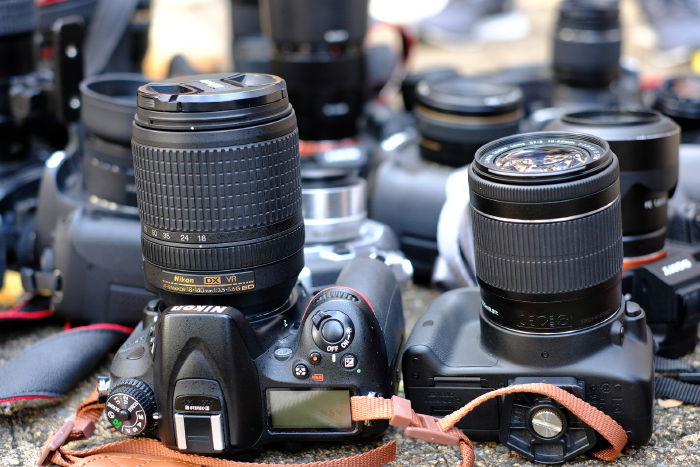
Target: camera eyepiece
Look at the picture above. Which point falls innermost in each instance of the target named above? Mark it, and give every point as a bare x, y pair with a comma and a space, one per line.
587, 43
219, 193
545, 211
456, 115
108, 104
646, 144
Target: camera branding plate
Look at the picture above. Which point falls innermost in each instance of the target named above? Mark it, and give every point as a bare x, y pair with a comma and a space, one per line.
201, 283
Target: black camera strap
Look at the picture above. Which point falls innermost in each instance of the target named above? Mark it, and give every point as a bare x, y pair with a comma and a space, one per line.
51, 367
677, 380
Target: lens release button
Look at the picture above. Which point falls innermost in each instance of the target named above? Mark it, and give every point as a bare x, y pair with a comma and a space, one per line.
332, 331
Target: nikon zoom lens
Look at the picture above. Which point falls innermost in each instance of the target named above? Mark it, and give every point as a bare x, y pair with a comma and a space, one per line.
318, 49
108, 104
646, 144
17, 22
545, 210
457, 115
219, 193
587, 43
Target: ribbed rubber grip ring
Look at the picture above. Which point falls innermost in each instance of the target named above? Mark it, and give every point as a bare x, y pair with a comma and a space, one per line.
228, 189
548, 257
17, 16
223, 258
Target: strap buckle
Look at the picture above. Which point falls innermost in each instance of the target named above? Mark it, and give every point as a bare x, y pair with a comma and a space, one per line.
56, 440
419, 426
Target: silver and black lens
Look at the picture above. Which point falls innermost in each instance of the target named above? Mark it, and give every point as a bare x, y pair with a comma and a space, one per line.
108, 104
218, 182
646, 144
545, 211
320, 55
587, 43
456, 115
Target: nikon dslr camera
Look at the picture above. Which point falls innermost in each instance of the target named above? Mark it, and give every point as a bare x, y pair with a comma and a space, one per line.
545, 212
236, 354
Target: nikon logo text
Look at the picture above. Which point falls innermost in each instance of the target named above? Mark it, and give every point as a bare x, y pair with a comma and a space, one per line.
200, 308
183, 279
677, 267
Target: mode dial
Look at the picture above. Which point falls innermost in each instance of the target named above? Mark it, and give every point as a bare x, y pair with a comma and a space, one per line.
130, 407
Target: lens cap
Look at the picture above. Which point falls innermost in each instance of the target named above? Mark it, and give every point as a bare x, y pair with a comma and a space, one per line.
464, 95
208, 93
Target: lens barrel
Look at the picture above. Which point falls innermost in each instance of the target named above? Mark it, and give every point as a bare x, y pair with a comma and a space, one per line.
219, 193
457, 115
646, 144
545, 210
679, 98
587, 43
108, 104
320, 55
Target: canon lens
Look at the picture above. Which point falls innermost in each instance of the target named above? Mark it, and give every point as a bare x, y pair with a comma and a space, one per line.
456, 115
646, 144
318, 49
679, 98
545, 210
108, 104
587, 43
217, 175
17, 22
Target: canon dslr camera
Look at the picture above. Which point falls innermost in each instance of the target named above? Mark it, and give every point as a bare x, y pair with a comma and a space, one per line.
545, 211
236, 354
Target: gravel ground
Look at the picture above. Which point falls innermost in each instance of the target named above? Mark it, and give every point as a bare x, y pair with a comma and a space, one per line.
23, 430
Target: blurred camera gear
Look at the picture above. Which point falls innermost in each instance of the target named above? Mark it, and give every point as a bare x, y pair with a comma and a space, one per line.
546, 310
679, 98
302, 357
86, 248
337, 229
454, 116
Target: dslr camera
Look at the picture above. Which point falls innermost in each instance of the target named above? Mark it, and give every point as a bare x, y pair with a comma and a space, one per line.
235, 353
545, 212
86, 247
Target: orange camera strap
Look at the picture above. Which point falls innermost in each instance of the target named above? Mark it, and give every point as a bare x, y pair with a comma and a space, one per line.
397, 410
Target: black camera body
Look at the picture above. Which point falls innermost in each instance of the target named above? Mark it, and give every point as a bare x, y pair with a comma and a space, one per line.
454, 355
209, 379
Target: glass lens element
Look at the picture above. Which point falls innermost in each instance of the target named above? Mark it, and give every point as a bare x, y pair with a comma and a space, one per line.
543, 159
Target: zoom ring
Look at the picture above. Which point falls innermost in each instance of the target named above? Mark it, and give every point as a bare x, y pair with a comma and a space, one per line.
550, 257
242, 256
227, 189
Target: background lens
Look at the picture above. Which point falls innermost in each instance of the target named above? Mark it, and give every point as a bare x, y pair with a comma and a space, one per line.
219, 192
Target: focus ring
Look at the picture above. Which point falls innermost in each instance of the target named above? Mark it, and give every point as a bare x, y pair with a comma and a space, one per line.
548, 258
243, 256
228, 189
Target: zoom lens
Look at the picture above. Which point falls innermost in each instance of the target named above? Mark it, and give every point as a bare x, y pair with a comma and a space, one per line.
457, 115
545, 210
17, 21
646, 144
587, 43
679, 98
219, 193
321, 56
108, 104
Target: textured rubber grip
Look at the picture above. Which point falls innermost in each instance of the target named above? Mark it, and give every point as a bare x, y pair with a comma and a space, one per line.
218, 258
219, 190
548, 257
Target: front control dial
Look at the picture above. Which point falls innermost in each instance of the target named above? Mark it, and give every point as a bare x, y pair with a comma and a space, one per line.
332, 331
130, 407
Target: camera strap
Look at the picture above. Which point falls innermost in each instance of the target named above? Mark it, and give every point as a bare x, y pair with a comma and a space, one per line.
397, 410
51, 367
677, 380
